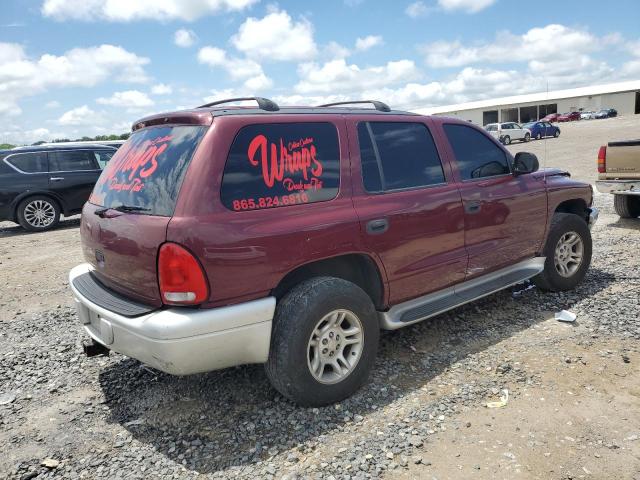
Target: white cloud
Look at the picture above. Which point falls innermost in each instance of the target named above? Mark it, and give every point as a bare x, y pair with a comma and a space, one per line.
417, 9
368, 42
161, 89
130, 99
276, 37
130, 10
78, 116
22, 76
333, 50
244, 69
184, 38
507, 47
467, 6
52, 104
24, 136
337, 75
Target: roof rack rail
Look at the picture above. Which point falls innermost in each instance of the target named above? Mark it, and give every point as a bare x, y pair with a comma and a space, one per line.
380, 106
263, 103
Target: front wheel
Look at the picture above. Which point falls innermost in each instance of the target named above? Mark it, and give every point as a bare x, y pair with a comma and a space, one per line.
38, 213
538, 136
506, 140
568, 253
527, 137
556, 134
324, 341
627, 206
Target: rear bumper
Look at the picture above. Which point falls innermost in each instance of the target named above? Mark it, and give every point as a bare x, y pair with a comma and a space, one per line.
627, 187
182, 341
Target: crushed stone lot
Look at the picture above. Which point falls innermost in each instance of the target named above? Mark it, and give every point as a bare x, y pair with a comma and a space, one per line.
573, 408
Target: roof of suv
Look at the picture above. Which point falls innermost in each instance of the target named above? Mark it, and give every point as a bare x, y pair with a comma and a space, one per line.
58, 146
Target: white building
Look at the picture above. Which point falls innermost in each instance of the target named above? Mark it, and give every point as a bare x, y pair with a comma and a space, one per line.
624, 97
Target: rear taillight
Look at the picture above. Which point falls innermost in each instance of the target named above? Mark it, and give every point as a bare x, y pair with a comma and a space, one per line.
602, 160
180, 275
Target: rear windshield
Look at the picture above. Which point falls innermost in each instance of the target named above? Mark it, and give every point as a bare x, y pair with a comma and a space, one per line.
147, 171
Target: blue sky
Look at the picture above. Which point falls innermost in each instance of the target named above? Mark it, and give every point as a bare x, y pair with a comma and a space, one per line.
70, 68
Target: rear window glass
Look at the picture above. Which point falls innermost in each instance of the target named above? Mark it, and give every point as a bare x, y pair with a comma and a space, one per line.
103, 156
147, 171
70, 160
35, 162
277, 164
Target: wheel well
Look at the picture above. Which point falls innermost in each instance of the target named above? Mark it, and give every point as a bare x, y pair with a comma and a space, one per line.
35, 194
356, 268
577, 206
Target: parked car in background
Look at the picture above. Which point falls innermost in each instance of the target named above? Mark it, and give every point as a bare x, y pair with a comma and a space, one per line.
606, 113
552, 117
291, 236
569, 117
619, 174
587, 115
542, 129
38, 184
507, 132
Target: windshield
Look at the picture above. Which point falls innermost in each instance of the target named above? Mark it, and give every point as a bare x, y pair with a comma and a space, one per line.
147, 171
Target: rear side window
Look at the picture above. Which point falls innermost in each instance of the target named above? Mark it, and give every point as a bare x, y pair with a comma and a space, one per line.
35, 162
103, 157
477, 156
147, 171
277, 164
70, 160
398, 155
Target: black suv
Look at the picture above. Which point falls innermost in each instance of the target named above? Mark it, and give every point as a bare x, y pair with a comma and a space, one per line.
37, 184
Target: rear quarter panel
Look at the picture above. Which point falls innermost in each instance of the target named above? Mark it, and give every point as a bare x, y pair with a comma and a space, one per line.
246, 253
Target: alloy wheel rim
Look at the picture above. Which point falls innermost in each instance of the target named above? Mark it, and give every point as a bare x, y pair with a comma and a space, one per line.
335, 346
39, 213
568, 254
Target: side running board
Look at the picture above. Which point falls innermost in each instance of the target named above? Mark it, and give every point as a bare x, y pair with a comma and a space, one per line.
438, 302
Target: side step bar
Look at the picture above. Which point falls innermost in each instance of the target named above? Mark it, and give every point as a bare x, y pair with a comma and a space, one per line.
438, 302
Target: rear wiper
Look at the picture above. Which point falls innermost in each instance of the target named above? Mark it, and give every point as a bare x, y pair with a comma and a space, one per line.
120, 208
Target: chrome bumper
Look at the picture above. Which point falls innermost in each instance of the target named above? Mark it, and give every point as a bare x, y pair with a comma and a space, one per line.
182, 341
593, 216
627, 187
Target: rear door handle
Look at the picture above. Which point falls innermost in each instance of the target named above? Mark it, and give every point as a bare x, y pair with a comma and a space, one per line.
56, 179
378, 226
472, 206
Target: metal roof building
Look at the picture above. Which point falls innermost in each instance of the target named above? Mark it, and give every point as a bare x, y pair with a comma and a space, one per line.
623, 96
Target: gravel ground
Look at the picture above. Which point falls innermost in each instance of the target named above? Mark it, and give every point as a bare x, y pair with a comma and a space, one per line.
574, 395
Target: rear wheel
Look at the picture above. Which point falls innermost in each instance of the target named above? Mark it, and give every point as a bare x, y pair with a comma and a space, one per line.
627, 206
324, 341
506, 139
567, 252
38, 213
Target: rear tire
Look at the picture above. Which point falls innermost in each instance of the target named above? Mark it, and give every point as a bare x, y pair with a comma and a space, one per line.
568, 253
506, 140
308, 336
38, 213
627, 206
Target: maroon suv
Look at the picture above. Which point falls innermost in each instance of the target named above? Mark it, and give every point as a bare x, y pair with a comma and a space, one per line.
227, 235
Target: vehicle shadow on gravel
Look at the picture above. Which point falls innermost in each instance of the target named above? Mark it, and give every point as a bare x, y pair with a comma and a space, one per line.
233, 417
626, 224
14, 230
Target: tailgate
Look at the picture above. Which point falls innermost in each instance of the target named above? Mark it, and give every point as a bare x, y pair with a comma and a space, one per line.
623, 159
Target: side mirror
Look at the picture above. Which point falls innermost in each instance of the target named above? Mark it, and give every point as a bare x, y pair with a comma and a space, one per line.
525, 162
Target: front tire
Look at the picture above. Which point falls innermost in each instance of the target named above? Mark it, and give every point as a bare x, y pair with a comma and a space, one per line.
324, 341
568, 253
506, 140
627, 206
527, 137
538, 136
38, 213
556, 134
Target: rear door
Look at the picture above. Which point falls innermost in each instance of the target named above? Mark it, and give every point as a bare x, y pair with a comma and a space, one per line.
145, 173
505, 215
29, 173
408, 205
72, 175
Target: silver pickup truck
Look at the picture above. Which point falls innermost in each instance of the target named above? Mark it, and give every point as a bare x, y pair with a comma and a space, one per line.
619, 174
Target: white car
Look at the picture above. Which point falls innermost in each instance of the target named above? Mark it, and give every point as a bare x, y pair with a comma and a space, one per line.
508, 132
587, 115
